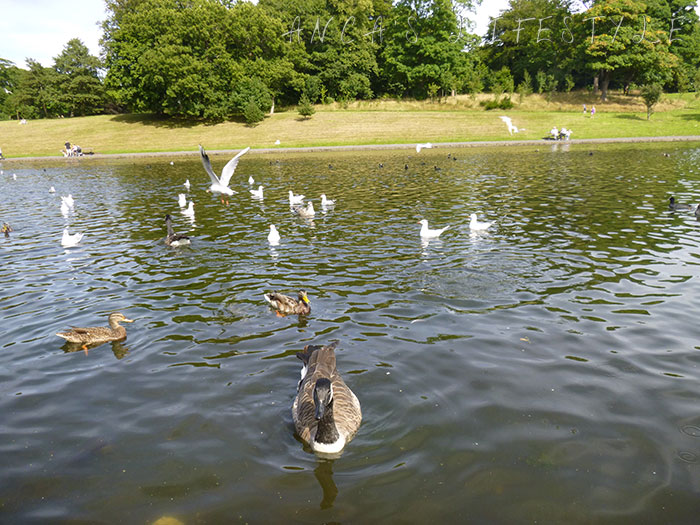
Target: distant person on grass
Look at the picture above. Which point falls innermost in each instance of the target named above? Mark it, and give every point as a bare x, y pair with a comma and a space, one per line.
593, 111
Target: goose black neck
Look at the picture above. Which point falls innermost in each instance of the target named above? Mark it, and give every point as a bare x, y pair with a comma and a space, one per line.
327, 432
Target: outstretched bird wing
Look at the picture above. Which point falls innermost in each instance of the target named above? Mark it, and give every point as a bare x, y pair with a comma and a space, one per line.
230, 167
207, 165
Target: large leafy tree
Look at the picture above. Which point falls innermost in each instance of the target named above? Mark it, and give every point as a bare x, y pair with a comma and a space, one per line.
37, 92
425, 47
627, 44
81, 89
528, 37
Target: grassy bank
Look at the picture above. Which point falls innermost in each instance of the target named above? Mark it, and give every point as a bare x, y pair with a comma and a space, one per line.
368, 122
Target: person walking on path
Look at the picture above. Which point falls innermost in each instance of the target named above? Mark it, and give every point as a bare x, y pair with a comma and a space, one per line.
593, 111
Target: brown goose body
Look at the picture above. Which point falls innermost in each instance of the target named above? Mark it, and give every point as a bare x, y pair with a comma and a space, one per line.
288, 305
326, 412
98, 334
172, 238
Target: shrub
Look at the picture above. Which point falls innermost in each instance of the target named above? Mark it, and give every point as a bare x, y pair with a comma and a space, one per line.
252, 113
651, 93
305, 107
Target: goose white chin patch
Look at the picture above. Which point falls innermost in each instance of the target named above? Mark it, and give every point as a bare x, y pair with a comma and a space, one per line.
329, 448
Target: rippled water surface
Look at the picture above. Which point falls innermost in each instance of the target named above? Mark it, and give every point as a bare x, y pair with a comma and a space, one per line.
544, 371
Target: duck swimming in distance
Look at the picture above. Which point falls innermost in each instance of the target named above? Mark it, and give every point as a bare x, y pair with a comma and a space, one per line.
97, 334
286, 305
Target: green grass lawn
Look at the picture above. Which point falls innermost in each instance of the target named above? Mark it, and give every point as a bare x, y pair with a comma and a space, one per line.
373, 122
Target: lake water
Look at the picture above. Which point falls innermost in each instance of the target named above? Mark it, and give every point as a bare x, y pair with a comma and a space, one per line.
545, 371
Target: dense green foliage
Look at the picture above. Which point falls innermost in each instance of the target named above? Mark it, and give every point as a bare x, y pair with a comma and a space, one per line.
651, 94
212, 59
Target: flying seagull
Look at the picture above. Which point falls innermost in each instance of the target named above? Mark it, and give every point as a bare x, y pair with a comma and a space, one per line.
511, 127
220, 185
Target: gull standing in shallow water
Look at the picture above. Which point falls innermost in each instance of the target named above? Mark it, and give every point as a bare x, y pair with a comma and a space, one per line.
69, 240
427, 233
220, 185
475, 225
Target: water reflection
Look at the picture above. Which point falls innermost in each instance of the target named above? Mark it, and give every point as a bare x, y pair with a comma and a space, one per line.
324, 476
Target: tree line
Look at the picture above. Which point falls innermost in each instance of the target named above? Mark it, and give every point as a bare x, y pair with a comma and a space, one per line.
217, 59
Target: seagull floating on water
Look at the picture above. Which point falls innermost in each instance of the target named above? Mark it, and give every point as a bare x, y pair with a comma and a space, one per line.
251, 180
307, 212
220, 185
419, 147
295, 199
427, 233
69, 240
182, 200
257, 194
189, 211
65, 209
70, 202
325, 202
476, 225
187, 184
52, 190
274, 236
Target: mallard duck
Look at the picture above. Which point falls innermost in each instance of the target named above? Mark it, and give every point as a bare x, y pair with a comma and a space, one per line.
220, 185
326, 412
677, 206
98, 334
174, 239
288, 305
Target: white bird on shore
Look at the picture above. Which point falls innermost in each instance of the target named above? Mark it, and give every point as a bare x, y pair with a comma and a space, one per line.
307, 212
220, 185
277, 142
325, 202
69, 240
189, 211
295, 199
187, 184
511, 127
257, 194
427, 233
274, 236
419, 147
182, 200
476, 225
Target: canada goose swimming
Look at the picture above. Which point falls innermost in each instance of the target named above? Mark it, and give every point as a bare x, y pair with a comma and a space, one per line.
427, 233
326, 412
98, 334
172, 238
288, 305
697, 211
677, 206
220, 185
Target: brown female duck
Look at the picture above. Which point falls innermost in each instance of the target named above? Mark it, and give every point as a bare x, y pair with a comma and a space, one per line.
288, 305
98, 334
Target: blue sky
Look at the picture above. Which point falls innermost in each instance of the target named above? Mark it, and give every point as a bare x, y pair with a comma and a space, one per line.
40, 29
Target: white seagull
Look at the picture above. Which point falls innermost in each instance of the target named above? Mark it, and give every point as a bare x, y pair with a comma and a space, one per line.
427, 233
182, 200
274, 236
70, 202
189, 211
295, 199
52, 190
220, 185
187, 184
325, 202
257, 194
419, 147
251, 180
476, 225
511, 127
307, 212
65, 209
68, 240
